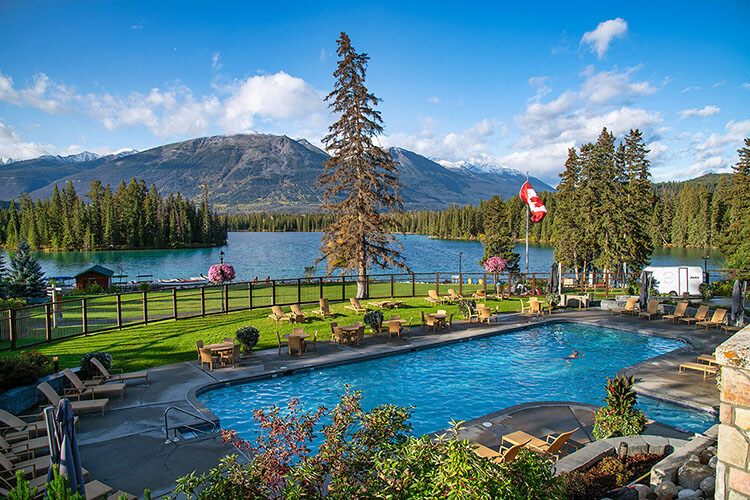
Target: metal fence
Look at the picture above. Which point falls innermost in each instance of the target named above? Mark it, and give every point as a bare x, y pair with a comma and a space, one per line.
72, 317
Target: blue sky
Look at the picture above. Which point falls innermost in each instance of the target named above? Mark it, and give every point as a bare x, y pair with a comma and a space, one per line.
513, 84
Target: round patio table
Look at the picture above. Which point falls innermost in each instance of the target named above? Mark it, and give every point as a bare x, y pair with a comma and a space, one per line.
297, 341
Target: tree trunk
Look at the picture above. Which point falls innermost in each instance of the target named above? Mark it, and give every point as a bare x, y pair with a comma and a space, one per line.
362, 283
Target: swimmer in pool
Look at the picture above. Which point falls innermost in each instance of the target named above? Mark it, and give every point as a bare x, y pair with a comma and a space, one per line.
575, 355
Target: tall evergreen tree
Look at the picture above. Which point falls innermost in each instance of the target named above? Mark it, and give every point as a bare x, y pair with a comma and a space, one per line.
497, 239
26, 279
640, 202
735, 243
566, 230
360, 178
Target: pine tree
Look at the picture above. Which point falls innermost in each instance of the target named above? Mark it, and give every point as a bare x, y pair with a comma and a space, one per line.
566, 229
640, 202
735, 243
26, 279
497, 239
360, 178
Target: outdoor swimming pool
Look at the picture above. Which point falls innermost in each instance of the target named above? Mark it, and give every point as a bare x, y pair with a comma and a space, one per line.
469, 379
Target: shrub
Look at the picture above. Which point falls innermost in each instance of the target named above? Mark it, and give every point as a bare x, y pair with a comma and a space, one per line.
248, 337
144, 287
23, 369
11, 303
373, 319
94, 288
553, 300
619, 417
723, 288
467, 307
706, 290
88, 370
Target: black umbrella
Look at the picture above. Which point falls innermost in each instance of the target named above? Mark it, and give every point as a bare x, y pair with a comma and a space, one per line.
643, 297
553, 279
64, 446
736, 302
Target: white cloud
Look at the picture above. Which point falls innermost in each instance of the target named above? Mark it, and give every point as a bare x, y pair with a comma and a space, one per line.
470, 144
434, 100
719, 151
602, 36
689, 89
612, 86
745, 86
279, 96
41, 94
12, 145
700, 112
718, 84
216, 61
323, 54
657, 151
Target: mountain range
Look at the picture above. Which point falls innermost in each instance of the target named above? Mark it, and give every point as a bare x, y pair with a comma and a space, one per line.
254, 172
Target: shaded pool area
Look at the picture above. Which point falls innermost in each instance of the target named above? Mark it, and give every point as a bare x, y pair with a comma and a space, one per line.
469, 379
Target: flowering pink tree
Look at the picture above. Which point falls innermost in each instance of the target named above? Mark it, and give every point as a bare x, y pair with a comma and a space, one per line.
495, 265
220, 273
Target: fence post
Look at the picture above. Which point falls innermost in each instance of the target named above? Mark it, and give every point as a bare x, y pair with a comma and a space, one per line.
48, 322
437, 283
484, 281
413, 287
226, 298
391, 285
203, 301
299, 291
533, 282
118, 307
84, 316
460, 283
343, 288
174, 303
273, 292
320, 287
145, 308
606, 285
12, 327
510, 283
250, 294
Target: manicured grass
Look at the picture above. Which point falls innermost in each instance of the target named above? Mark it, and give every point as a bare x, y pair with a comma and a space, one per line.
165, 342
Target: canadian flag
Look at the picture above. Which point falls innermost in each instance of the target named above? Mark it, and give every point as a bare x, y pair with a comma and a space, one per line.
529, 196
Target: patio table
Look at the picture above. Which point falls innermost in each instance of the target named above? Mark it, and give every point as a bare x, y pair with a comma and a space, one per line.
297, 341
520, 437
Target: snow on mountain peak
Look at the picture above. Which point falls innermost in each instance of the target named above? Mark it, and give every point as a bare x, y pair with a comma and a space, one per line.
479, 167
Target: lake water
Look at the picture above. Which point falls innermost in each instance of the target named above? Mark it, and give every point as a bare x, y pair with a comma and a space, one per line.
285, 255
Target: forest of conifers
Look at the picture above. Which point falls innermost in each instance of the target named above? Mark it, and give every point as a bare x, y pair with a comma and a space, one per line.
130, 217
684, 214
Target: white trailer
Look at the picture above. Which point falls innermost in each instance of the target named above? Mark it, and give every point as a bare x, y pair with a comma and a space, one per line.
677, 280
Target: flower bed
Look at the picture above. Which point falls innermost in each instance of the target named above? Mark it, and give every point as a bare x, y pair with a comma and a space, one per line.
609, 474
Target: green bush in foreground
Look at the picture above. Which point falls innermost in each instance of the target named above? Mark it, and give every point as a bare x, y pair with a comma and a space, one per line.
364, 455
23, 369
619, 417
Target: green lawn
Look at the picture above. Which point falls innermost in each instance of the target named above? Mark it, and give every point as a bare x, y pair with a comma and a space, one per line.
171, 341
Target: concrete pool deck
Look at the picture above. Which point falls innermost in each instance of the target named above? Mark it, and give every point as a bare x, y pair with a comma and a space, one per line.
125, 448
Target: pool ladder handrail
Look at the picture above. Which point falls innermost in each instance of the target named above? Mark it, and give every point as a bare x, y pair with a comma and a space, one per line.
194, 415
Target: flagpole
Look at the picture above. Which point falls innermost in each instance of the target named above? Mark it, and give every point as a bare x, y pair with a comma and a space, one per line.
527, 232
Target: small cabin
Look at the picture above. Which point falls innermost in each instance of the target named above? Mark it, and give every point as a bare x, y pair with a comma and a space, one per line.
94, 274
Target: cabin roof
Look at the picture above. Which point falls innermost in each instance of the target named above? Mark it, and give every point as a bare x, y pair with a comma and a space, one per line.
98, 270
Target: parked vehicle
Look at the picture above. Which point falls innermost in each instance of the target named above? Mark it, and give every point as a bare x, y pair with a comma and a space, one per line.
677, 280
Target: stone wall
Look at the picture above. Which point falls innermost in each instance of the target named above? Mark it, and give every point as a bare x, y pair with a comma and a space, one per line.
733, 468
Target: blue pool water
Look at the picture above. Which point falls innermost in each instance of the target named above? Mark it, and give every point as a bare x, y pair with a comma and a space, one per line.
469, 379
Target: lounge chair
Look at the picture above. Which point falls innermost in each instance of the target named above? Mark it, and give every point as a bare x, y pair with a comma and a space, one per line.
709, 359
278, 315
95, 490
731, 328
716, 320
432, 297
700, 315
78, 406
106, 376
209, 357
679, 312
551, 445
80, 389
452, 296
231, 357
628, 309
281, 343
651, 310
480, 294
35, 467
324, 310
14, 428
699, 367
27, 447
297, 315
505, 455
355, 305
499, 292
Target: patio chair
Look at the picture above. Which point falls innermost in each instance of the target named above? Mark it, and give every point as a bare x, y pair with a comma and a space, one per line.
453, 295
360, 334
26, 448
78, 406
432, 322
525, 307
282, 343
394, 327
424, 321
79, 388
209, 356
297, 315
338, 335
651, 310
448, 324
407, 327
709, 359
716, 320
628, 309
679, 312
699, 367
199, 346
231, 357
278, 315
228, 340
485, 314
14, 428
35, 467
432, 297
552, 445
355, 305
94, 489
298, 330
324, 310
499, 292
314, 342
119, 376
700, 315
394, 316
480, 294
504, 455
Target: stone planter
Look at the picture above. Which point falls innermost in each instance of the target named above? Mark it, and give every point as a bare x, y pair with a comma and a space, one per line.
22, 399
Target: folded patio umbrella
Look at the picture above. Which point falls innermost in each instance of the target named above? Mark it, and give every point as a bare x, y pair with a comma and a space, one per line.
643, 297
64, 446
736, 302
553, 279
